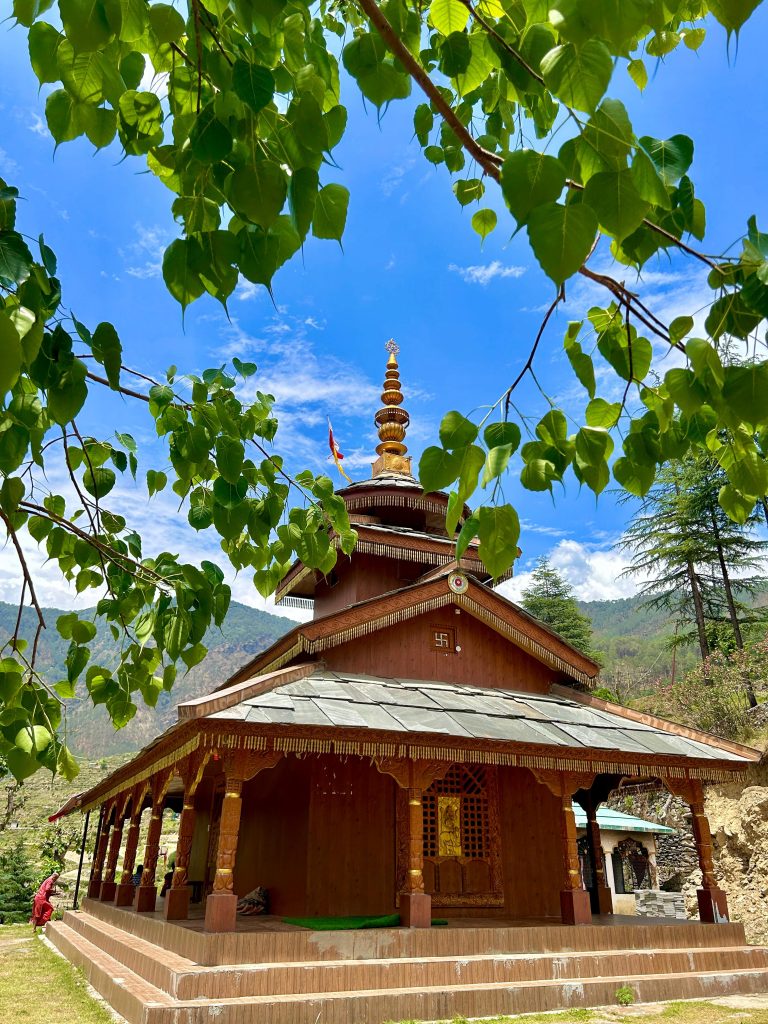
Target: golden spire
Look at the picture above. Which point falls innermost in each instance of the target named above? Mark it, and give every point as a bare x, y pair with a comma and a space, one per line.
392, 421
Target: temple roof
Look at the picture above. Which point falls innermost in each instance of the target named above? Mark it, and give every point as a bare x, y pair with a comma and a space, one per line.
329, 699
611, 820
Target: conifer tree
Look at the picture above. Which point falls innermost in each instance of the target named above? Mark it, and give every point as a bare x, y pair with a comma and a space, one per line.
17, 886
550, 598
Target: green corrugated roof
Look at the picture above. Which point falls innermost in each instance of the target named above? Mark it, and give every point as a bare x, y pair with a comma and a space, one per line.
617, 821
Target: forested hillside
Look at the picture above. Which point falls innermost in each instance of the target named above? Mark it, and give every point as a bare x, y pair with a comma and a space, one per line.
91, 734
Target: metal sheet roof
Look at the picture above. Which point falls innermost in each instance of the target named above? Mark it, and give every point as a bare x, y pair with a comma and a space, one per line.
408, 705
610, 820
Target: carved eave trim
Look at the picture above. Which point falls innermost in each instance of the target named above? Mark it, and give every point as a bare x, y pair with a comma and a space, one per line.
418, 599
748, 753
220, 700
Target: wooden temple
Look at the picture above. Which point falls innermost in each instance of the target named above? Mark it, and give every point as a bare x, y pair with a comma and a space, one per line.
414, 749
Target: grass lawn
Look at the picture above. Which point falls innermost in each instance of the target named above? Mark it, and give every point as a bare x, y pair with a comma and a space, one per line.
38, 987
28, 966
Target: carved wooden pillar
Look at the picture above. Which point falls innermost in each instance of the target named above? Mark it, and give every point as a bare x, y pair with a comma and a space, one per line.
713, 902
108, 886
414, 777
239, 767
177, 897
575, 905
603, 897
125, 890
146, 892
99, 854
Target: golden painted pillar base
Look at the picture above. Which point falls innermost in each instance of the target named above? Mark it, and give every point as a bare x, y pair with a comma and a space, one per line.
124, 894
416, 910
575, 907
146, 899
713, 906
221, 912
177, 903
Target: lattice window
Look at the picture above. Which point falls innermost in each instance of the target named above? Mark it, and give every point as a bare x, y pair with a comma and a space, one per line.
456, 815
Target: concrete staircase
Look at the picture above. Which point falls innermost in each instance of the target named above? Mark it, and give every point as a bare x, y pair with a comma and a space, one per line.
148, 983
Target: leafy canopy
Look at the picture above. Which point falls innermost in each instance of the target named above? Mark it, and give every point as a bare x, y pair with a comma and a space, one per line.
237, 106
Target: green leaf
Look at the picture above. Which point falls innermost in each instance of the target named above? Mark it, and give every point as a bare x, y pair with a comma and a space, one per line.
468, 191
498, 530
15, 258
167, 23
210, 138
258, 193
254, 84
505, 433
33, 739
10, 353
591, 451
61, 116
106, 347
438, 468
86, 23
66, 763
635, 477
580, 361
448, 16
530, 179
638, 73
732, 13
496, 462
43, 43
302, 195
735, 505
330, 216
561, 237
230, 455
156, 481
600, 413
25, 11
456, 431
609, 136
455, 54
618, 205
578, 76
99, 481
483, 222
99, 125
745, 391
671, 157
181, 263
613, 344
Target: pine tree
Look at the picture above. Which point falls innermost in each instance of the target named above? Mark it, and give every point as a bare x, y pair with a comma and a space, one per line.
550, 598
17, 886
691, 551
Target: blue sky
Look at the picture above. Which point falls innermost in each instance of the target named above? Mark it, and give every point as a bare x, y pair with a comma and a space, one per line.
411, 268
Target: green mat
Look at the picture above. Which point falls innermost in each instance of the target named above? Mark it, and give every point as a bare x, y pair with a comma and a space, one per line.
332, 924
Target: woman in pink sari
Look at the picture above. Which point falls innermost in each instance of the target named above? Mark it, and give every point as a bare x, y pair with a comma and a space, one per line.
42, 908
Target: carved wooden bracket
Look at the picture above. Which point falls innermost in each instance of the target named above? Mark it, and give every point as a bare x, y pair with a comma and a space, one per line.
689, 790
563, 784
409, 774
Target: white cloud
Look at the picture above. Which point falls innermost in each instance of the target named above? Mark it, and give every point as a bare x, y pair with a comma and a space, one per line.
485, 273
8, 167
593, 572
145, 255
247, 290
393, 179
39, 127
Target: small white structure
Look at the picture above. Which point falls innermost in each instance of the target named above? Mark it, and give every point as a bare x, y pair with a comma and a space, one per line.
629, 855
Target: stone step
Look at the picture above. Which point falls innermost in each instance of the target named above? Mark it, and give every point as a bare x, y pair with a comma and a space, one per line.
126, 992
142, 1003
186, 980
299, 945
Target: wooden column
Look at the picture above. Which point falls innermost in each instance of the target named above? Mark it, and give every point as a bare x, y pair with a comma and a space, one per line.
713, 902
239, 767
99, 854
125, 889
177, 897
414, 777
603, 895
575, 905
146, 892
109, 886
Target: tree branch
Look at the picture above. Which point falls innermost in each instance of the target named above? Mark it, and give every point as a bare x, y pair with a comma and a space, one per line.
560, 297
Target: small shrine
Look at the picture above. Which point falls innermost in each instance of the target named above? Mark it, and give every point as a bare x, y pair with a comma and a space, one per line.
415, 749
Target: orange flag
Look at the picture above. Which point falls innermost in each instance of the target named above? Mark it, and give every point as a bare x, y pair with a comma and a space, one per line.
335, 452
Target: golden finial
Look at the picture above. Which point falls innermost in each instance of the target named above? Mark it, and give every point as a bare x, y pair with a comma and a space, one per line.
392, 421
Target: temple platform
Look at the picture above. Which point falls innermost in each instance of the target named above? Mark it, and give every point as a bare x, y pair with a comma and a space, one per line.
267, 972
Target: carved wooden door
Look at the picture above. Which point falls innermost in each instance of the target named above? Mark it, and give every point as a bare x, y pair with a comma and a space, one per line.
462, 854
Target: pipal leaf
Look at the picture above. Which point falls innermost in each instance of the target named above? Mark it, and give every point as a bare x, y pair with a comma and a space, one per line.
530, 179
330, 216
561, 237
580, 75
254, 84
